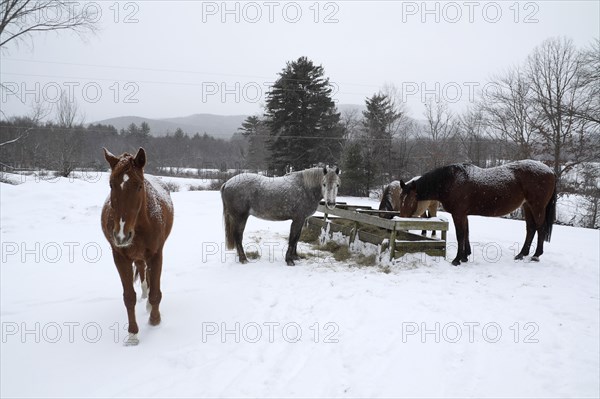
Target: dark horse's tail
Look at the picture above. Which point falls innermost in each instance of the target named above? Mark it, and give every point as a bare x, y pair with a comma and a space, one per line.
386, 203
550, 216
229, 241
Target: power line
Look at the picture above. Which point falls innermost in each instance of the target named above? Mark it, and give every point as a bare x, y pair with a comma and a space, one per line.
137, 68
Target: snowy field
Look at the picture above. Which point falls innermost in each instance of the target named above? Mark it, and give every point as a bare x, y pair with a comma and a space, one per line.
492, 327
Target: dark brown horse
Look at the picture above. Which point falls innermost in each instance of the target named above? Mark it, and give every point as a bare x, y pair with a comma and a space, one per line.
465, 189
390, 201
136, 220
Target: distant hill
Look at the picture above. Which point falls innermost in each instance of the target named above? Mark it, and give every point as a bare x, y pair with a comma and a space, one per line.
220, 126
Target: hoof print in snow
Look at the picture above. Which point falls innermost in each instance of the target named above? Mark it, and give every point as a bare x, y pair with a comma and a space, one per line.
131, 340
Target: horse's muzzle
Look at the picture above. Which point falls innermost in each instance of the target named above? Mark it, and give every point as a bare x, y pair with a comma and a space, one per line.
330, 205
123, 241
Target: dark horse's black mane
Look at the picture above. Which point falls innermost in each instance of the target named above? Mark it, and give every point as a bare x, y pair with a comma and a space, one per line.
431, 184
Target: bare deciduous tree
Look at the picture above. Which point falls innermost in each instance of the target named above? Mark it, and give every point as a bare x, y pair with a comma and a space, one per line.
590, 79
507, 111
68, 145
471, 136
38, 112
21, 18
351, 121
441, 124
67, 111
438, 134
555, 72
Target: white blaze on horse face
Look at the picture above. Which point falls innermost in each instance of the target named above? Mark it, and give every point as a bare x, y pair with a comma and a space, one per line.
330, 184
121, 232
125, 178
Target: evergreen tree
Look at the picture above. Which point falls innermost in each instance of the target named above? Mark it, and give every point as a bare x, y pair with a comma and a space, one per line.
303, 122
353, 165
253, 129
378, 125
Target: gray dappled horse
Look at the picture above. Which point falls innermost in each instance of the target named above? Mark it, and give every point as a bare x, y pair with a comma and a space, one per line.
294, 196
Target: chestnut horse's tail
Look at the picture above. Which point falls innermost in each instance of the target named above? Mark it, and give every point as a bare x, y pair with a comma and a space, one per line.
550, 216
229, 224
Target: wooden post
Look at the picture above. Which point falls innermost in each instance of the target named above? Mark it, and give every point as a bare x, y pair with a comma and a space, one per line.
393, 244
353, 233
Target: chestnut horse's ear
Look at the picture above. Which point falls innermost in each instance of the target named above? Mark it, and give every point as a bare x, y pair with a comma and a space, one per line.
140, 158
110, 158
324, 170
402, 184
337, 171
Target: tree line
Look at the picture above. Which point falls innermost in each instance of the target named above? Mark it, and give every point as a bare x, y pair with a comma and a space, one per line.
546, 108
26, 143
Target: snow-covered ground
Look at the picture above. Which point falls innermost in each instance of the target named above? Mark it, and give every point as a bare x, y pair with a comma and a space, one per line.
491, 327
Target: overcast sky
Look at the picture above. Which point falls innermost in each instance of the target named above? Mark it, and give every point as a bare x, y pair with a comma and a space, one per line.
162, 59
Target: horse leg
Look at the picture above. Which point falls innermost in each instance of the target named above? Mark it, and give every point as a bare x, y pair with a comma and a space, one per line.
467, 245
141, 270
459, 225
129, 296
424, 215
295, 255
154, 271
539, 227
238, 235
295, 231
539, 250
530, 227
433, 213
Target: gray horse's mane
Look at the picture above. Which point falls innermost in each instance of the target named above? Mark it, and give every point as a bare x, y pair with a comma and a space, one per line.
312, 177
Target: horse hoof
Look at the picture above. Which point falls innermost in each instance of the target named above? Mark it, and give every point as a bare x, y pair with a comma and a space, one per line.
290, 263
131, 340
154, 321
243, 261
455, 262
519, 257
535, 258
465, 259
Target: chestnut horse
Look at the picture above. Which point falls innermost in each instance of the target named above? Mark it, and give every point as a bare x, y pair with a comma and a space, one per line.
136, 220
390, 201
465, 189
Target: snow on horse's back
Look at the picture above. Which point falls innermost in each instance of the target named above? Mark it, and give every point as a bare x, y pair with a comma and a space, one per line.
294, 196
465, 189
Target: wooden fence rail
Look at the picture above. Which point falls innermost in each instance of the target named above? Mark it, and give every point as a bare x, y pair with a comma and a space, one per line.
359, 222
